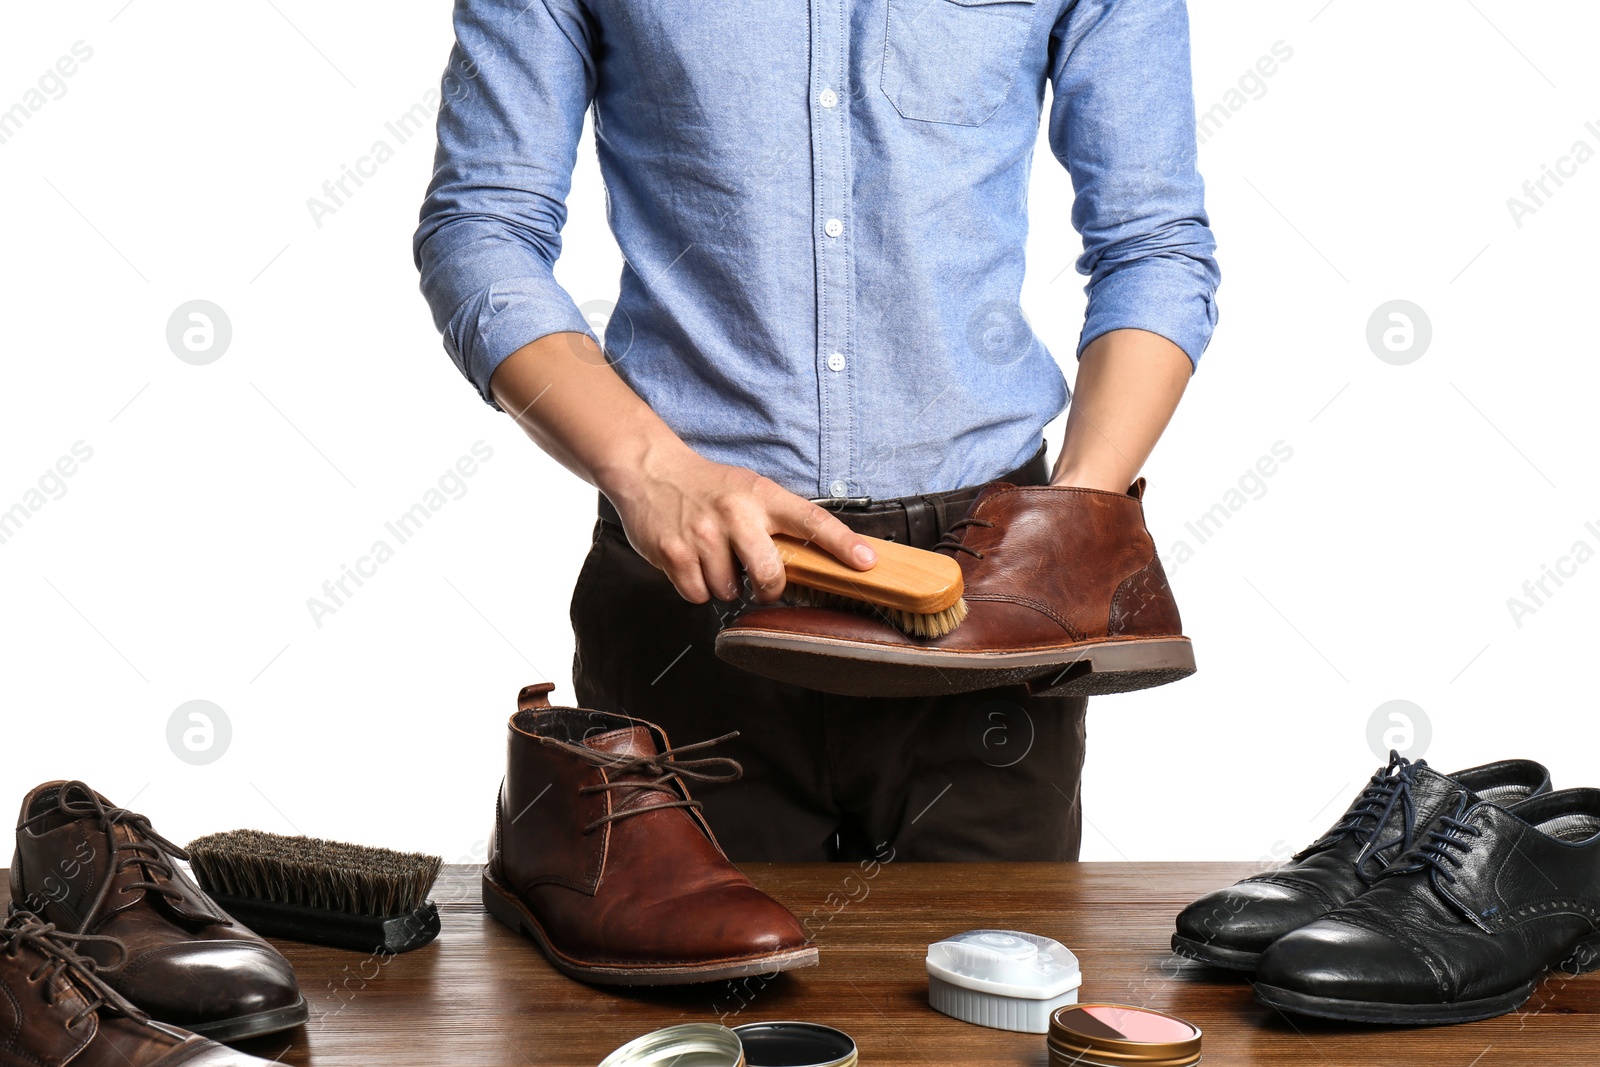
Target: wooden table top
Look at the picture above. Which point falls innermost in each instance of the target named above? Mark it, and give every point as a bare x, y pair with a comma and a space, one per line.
481, 996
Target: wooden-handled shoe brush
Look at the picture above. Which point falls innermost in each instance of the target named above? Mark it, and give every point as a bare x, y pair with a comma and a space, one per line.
323, 892
917, 591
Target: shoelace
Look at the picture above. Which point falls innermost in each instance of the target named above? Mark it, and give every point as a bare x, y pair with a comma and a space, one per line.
1389, 787
26, 930
951, 541
1438, 851
77, 801
664, 766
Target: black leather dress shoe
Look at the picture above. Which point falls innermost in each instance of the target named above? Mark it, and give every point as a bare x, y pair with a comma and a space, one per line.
1459, 928
1232, 927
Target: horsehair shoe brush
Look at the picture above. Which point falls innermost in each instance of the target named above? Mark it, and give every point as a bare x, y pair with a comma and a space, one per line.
917, 591
323, 892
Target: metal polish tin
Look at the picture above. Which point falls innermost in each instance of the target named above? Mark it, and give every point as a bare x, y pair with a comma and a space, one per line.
1118, 1035
689, 1045
795, 1045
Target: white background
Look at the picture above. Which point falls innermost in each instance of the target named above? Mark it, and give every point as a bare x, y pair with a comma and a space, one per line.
1376, 165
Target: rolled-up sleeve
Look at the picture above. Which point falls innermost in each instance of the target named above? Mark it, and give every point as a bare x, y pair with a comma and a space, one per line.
1122, 122
514, 95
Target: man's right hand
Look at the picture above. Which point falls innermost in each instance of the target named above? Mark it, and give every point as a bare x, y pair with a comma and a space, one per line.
701, 522
698, 521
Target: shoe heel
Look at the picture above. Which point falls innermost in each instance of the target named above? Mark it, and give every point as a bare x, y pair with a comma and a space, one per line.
1118, 667
1585, 957
498, 904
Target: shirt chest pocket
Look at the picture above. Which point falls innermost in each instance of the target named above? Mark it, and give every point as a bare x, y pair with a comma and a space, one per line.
953, 61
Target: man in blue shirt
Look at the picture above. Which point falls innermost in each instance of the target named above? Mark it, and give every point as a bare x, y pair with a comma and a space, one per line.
822, 208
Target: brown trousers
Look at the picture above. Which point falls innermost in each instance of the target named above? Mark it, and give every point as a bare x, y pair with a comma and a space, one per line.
977, 776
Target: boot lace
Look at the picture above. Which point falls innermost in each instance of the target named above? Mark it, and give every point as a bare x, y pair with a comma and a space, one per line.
1388, 789
59, 958
149, 849
1446, 846
658, 771
951, 541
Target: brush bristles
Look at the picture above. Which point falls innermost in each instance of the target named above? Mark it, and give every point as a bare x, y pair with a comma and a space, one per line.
911, 623
311, 873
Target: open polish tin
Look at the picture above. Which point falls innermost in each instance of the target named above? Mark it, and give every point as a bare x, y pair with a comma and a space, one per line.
689, 1045
795, 1045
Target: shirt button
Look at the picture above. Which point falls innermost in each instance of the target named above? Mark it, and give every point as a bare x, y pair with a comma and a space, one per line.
836, 361
833, 228
838, 489
828, 98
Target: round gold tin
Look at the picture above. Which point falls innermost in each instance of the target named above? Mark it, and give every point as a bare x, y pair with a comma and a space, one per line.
1119, 1035
689, 1045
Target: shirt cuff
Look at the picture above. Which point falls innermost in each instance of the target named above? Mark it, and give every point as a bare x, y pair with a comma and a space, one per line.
503, 296
495, 322
1158, 294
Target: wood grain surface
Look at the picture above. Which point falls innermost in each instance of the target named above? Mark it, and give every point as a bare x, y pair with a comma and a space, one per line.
482, 996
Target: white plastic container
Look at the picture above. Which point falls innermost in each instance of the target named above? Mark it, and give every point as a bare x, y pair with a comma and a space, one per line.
1003, 979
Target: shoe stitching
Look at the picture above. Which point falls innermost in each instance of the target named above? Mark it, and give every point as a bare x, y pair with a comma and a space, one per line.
1134, 592
618, 961
1061, 489
743, 630
1309, 888
1550, 905
494, 859
1029, 602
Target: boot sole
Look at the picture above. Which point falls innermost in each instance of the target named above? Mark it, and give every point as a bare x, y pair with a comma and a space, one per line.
853, 668
243, 1026
504, 906
1232, 959
1384, 1014
1581, 959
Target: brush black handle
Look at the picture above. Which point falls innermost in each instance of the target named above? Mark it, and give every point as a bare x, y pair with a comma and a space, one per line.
363, 933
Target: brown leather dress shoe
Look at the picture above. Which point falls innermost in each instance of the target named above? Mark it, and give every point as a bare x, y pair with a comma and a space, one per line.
602, 858
55, 1010
1064, 591
90, 867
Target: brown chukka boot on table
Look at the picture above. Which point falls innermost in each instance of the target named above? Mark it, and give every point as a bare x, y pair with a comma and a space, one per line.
90, 867
600, 855
55, 1010
1064, 592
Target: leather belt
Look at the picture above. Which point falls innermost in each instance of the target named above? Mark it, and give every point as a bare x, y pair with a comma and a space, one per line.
919, 520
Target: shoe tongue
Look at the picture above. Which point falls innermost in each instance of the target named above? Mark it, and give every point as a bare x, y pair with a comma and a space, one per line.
1432, 794
189, 904
624, 744
628, 741
1432, 788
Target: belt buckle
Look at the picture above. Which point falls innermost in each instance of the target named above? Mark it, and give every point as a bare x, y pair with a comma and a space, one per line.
839, 503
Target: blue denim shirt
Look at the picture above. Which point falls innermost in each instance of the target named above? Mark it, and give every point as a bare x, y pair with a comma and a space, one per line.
823, 211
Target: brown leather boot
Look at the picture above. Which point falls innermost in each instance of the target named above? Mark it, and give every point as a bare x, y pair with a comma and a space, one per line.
90, 867
1064, 593
55, 1010
602, 858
